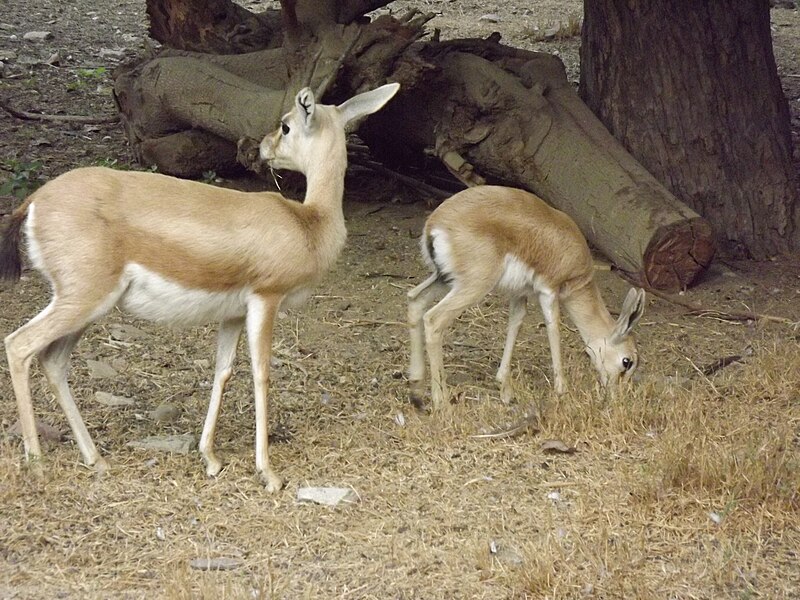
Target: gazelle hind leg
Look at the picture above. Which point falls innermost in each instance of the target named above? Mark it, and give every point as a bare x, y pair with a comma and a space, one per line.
227, 340
54, 360
418, 301
438, 319
61, 319
516, 314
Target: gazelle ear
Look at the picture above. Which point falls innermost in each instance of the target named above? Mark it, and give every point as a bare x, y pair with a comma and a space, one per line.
368, 102
632, 310
304, 104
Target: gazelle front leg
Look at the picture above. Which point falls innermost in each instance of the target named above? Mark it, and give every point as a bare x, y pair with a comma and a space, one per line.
551, 313
227, 340
516, 314
261, 311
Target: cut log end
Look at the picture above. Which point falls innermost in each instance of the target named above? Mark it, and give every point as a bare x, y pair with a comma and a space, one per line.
677, 254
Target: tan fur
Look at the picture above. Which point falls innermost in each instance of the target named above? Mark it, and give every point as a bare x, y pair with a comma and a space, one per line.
200, 236
488, 222
480, 234
182, 252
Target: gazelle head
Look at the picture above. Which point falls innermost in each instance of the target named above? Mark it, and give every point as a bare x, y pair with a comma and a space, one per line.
309, 132
614, 356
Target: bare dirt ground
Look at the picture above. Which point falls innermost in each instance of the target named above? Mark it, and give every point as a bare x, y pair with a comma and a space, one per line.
685, 488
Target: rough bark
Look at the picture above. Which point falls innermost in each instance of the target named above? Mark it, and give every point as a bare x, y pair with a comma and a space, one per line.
213, 26
692, 91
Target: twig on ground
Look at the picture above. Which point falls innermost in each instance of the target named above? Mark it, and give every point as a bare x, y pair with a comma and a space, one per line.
696, 310
529, 424
29, 116
371, 323
723, 362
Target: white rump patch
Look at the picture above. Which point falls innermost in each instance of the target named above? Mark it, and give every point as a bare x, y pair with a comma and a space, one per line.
151, 296
442, 251
519, 278
34, 250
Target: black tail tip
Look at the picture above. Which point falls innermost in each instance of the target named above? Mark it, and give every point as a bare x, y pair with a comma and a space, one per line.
10, 256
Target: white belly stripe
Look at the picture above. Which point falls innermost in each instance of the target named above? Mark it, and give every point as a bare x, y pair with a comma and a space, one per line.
150, 296
518, 277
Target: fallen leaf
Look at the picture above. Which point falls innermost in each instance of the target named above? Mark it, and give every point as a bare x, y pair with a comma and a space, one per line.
223, 563
329, 496
557, 447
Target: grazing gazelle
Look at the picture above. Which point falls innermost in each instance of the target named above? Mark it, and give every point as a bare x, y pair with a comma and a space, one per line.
498, 238
181, 252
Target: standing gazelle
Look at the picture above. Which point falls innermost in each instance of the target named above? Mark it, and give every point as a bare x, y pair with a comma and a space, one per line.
181, 252
498, 238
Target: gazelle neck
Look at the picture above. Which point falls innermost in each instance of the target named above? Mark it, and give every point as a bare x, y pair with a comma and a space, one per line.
325, 177
586, 308
325, 187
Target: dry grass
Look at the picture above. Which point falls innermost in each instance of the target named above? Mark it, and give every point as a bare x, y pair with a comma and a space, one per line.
683, 490
686, 487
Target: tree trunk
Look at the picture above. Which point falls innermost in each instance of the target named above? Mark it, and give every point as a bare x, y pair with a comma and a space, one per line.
692, 91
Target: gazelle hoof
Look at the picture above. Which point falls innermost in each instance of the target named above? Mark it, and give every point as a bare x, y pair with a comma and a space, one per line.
100, 466
213, 465
271, 482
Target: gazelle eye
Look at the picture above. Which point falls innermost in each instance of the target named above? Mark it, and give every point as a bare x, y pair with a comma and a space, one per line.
284, 128
627, 363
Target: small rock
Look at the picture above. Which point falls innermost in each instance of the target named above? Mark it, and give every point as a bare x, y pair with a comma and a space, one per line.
119, 364
329, 496
489, 18
716, 517
554, 496
223, 563
176, 444
506, 554
111, 400
165, 413
54, 59
113, 54
6, 27
37, 36
101, 370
